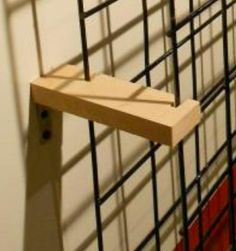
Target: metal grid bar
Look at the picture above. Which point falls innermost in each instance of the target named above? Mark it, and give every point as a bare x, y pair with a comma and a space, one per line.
197, 140
228, 125
153, 158
97, 8
207, 99
91, 132
173, 37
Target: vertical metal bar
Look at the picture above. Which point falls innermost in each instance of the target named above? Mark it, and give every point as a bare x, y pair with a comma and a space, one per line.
91, 130
197, 143
83, 36
228, 125
180, 146
153, 159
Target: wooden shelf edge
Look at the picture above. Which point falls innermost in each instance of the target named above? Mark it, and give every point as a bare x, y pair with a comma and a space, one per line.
139, 110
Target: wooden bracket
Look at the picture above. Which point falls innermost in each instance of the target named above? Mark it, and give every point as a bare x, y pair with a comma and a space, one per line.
134, 108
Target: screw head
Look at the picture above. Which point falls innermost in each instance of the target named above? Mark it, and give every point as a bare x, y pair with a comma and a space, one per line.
44, 114
46, 135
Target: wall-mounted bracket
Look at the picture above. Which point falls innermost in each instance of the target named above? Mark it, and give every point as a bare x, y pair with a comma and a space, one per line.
120, 104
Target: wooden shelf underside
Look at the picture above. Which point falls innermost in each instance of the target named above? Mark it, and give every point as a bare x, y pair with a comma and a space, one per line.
120, 104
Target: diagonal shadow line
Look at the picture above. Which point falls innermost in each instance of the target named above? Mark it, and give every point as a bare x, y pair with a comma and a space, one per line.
117, 148
85, 151
134, 97
120, 31
130, 99
199, 53
12, 7
16, 5
114, 35
15, 81
37, 36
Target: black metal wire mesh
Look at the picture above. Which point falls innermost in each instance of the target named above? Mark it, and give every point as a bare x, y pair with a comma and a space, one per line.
221, 86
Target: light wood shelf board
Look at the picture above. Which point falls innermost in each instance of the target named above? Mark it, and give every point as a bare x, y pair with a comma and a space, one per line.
139, 110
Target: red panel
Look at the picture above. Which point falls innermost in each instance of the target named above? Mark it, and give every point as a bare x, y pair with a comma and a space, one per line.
219, 238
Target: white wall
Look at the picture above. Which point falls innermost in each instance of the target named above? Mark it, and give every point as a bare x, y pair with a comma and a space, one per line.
12, 179
38, 36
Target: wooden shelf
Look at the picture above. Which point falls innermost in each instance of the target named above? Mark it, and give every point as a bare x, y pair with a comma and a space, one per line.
120, 104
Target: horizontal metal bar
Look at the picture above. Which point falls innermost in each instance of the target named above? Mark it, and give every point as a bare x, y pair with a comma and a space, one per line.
98, 8
216, 91
211, 98
207, 197
197, 12
138, 164
217, 85
151, 66
192, 15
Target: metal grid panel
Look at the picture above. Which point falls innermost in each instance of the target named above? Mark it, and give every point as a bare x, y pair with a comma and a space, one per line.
221, 86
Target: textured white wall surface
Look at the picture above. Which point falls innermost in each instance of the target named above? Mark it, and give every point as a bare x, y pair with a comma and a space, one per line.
12, 178
37, 36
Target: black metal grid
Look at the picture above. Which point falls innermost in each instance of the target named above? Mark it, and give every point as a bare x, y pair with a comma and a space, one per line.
222, 86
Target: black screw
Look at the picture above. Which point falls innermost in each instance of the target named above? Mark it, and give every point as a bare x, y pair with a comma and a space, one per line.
44, 114
46, 135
